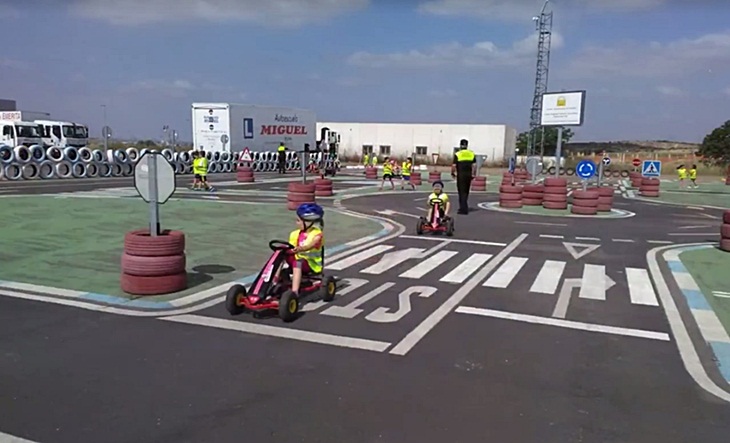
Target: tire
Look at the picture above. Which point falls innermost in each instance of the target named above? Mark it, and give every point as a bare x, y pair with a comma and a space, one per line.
650, 181
329, 288
725, 230
585, 203
510, 197
586, 195
450, 228
650, 188
551, 170
555, 198
649, 193
301, 188
288, 307
300, 197
534, 189
605, 201
507, 189
725, 244
141, 244
603, 191
555, 205
533, 195
570, 171
624, 173
555, 191
233, 297
582, 210
726, 217
153, 266
531, 201
166, 284
603, 208
419, 227
510, 203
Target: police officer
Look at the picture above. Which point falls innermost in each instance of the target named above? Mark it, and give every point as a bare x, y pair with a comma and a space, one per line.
282, 158
463, 169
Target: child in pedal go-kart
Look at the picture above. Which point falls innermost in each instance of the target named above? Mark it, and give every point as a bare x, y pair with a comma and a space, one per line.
308, 242
439, 196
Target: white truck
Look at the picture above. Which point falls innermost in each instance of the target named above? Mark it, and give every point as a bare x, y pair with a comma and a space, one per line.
232, 127
63, 134
14, 131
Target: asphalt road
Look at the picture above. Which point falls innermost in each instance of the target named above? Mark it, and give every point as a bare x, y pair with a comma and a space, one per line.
508, 337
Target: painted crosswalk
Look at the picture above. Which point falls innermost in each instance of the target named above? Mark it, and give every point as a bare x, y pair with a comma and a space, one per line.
455, 267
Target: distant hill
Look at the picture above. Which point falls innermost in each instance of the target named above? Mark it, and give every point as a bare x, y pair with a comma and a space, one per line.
633, 146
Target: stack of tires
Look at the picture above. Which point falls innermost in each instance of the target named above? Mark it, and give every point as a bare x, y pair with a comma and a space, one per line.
533, 195
725, 232
416, 179
585, 202
244, 174
371, 172
727, 180
555, 193
508, 178
510, 196
649, 187
635, 177
521, 176
299, 193
434, 176
479, 183
153, 265
605, 197
323, 187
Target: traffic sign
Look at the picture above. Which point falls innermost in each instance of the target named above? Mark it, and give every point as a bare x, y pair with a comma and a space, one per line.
435, 157
480, 159
636, 162
224, 138
534, 166
606, 160
163, 179
106, 132
585, 169
246, 156
651, 168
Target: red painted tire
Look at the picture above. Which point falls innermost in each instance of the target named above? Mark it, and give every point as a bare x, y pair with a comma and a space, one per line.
510, 197
140, 243
510, 204
167, 284
726, 217
725, 230
245, 179
605, 201
650, 188
292, 206
537, 195
299, 198
324, 193
302, 188
532, 201
478, 187
555, 190
241, 168
725, 244
650, 181
534, 188
153, 266
479, 179
603, 191
507, 174
585, 203
322, 182
585, 195
556, 182
581, 210
557, 198
604, 208
649, 193
554, 205
507, 189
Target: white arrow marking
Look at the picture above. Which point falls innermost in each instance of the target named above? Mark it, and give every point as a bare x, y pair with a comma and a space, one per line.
591, 287
389, 212
571, 247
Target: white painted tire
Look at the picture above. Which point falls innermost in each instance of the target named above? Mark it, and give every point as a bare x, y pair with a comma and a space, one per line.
132, 154
92, 170
12, 172
185, 157
46, 170
37, 153
71, 154
85, 155
98, 156
54, 154
116, 169
127, 169
63, 169
169, 155
7, 155
22, 154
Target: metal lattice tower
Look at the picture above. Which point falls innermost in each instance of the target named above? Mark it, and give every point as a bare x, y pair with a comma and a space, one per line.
544, 27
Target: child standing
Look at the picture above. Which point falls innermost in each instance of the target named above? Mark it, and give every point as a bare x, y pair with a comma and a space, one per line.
406, 173
682, 175
387, 173
693, 175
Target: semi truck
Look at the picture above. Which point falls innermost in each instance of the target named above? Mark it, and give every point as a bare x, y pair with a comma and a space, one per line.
14, 131
59, 133
228, 127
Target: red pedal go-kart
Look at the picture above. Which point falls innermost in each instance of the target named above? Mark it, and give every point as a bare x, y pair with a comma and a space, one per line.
438, 223
267, 293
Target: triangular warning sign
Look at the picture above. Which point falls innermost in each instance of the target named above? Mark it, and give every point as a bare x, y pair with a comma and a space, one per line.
573, 249
650, 169
246, 156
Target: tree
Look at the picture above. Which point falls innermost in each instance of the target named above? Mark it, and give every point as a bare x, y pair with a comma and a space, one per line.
551, 139
716, 146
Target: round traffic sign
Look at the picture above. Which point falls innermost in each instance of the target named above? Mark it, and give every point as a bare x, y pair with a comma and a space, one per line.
606, 160
106, 132
636, 162
533, 166
224, 138
585, 169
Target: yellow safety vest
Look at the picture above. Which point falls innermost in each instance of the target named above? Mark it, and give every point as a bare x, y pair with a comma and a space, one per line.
387, 168
204, 166
465, 155
692, 174
682, 172
366, 159
375, 161
198, 167
282, 148
406, 169
313, 256
441, 199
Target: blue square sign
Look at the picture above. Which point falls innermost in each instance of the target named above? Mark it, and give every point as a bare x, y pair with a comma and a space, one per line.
651, 168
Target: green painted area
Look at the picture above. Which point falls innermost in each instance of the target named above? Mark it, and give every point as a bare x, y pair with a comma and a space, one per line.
715, 193
76, 243
709, 268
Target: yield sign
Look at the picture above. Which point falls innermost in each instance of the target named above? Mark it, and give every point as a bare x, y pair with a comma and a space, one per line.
575, 249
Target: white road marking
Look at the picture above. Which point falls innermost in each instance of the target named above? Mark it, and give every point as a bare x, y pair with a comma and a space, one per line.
351, 285
69, 293
393, 259
548, 279
466, 268
710, 327
592, 285
279, 332
622, 240
454, 240
551, 236
588, 238
540, 223
721, 294
573, 251
702, 234
383, 314
7, 438
694, 227
566, 292
641, 290
428, 265
627, 332
660, 242
420, 331
357, 258
428, 252
352, 309
506, 273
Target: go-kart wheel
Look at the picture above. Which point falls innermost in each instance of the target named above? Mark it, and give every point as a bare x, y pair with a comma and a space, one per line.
329, 289
419, 227
288, 307
234, 299
450, 228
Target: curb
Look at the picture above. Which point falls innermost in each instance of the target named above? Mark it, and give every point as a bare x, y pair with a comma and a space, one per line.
621, 213
712, 331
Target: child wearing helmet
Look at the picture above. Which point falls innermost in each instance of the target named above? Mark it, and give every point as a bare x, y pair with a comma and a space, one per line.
308, 241
439, 196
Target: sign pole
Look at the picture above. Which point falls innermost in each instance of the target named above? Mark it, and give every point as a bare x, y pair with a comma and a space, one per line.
558, 151
600, 174
303, 164
154, 200
585, 184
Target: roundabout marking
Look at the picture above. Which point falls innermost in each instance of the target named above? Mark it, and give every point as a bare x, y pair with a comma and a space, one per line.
614, 214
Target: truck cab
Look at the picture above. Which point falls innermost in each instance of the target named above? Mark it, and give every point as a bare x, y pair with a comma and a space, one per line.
16, 133
63, 134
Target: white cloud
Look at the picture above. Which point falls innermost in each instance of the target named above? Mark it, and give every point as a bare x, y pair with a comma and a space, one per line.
524, 10
704, 55
478, 55
274, 13
670, 91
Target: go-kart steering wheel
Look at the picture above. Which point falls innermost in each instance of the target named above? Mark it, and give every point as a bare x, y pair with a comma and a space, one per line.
279, 245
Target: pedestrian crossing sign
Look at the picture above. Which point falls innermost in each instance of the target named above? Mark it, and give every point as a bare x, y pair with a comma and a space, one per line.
651, 168
246, 156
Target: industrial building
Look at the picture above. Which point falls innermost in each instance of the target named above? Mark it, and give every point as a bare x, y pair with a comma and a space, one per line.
400, 140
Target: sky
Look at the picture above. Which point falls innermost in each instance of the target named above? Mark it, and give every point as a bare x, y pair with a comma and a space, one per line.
652, 69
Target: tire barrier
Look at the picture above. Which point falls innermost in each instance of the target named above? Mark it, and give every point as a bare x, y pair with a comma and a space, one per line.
298, 193
46, 170
635, 178
508, 178
725, 232
92, 170
555, 193
371, 173
78, 170
244, 174
6, 155
323, 187
105, 169
30, 171
532, 195
22, 154
585, 202
510, 196
605, 197
649, 187
12, 172
63, 169
416, 178
479, 183
37, 153
521, 176
85, 155
153, 265
434, 176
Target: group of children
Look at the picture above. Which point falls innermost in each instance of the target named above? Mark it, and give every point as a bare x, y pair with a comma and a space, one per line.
391, 170
200, 171
684, 175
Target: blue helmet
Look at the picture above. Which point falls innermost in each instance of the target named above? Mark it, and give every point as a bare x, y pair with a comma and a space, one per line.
310, 212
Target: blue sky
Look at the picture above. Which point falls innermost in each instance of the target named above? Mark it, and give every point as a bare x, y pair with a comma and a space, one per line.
653, 69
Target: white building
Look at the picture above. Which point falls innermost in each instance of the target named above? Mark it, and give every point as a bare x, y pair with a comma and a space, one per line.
400, 140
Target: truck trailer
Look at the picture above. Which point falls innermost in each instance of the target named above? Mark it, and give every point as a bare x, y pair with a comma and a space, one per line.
219, 127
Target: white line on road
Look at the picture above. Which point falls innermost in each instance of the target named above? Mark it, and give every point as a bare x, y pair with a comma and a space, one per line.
275, 331
466, 268
357, 258
660, 242
694, 227
7, 438
548, 279
540, 223
428, 265
471, 242
705, 234
592, 284
551, 236
641, 290
588, 238
570, 324
721, 294
622, 240
417, 334
506, 273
